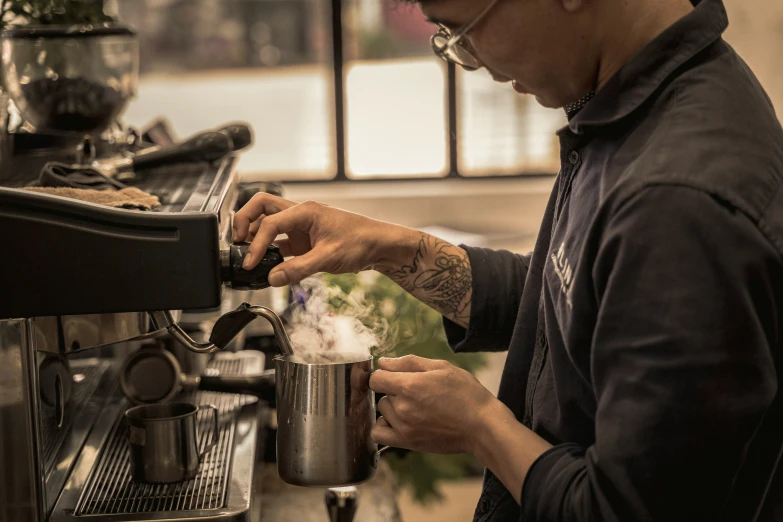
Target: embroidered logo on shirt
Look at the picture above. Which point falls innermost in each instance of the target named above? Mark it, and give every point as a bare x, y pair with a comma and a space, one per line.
564, 272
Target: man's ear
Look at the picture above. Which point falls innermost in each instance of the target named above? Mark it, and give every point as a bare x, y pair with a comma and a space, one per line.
572, 6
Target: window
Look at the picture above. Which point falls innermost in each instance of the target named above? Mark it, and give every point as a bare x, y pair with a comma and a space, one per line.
385, 108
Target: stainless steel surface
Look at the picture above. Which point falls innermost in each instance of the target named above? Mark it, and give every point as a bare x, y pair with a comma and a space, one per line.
22, 495
341, 503
324, 416
164, 319
40, 442
218, 194
109, 167
84, 332
188, 342
164, 441
283, 341
93, 379
87, 374
274, 298
81, 332
100, 487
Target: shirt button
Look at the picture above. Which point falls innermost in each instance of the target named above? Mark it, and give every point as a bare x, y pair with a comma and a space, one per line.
573, 157
483, 506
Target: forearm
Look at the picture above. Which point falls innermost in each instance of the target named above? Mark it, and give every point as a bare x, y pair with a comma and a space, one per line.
434, 271
507, 448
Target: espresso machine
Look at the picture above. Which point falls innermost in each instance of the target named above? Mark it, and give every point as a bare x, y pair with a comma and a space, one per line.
85, 289
84, 286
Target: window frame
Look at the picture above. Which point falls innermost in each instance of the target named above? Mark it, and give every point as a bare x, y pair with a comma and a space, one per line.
338, 88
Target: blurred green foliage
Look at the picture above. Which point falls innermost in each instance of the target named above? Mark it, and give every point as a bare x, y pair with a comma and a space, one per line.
419, 331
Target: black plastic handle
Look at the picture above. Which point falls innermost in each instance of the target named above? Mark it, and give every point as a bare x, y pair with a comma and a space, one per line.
207, 146
229, 325
241, 135
261, 386
257, 277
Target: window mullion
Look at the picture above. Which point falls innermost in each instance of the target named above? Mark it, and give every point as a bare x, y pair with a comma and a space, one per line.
339, 87
451, 100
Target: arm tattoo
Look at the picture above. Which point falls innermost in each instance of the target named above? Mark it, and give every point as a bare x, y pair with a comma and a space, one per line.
440, 276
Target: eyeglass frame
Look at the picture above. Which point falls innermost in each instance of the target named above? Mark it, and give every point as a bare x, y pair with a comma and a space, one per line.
453, 39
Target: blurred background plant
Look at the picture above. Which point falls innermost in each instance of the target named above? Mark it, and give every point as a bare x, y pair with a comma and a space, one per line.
418, 329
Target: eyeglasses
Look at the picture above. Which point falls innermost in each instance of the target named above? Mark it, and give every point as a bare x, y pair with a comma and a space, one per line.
452, 48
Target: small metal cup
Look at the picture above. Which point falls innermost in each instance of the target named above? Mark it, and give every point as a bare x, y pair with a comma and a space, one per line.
164, 441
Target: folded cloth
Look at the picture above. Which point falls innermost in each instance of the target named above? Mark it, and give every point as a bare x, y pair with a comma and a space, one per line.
56, 174
129, 198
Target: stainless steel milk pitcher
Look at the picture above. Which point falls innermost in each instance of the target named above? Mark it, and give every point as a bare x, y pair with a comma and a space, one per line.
325, 413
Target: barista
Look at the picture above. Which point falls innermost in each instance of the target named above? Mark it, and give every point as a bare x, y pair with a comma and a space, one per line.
643, 332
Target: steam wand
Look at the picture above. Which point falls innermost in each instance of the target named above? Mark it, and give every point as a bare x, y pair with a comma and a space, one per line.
277, 326
226, 328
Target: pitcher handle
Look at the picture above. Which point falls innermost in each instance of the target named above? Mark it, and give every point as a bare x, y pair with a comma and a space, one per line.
212, 443
377, 455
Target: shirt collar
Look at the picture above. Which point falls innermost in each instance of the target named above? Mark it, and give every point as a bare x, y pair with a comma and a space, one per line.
638, 79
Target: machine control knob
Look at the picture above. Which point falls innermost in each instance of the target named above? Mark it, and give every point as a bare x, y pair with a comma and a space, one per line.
236, 277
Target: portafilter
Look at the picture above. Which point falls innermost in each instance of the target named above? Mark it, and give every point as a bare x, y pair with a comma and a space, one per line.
153, 375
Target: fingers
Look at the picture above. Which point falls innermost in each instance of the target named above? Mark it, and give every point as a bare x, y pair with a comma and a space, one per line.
296, 269
251, 233
286, 250
296, 218
386, 409
261, 204
383, 433
390, 383
410, 363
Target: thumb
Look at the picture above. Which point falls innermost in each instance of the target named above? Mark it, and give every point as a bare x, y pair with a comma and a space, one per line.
295, 269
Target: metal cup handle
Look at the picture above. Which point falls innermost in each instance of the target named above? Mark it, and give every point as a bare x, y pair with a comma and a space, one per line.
377, 455
212, 443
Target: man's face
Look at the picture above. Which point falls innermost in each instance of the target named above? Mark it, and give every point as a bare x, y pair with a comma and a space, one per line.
537, 44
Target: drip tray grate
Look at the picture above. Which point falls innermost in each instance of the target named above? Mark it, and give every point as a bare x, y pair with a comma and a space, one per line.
110, 490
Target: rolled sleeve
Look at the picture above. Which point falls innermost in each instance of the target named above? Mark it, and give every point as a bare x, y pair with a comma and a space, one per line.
498, 280
681, 364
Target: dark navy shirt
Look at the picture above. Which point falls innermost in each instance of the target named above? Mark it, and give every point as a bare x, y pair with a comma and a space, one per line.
644, 331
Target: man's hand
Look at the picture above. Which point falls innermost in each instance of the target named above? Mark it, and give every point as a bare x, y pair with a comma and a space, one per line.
323, 239
326, 239
435, 407
430, 405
